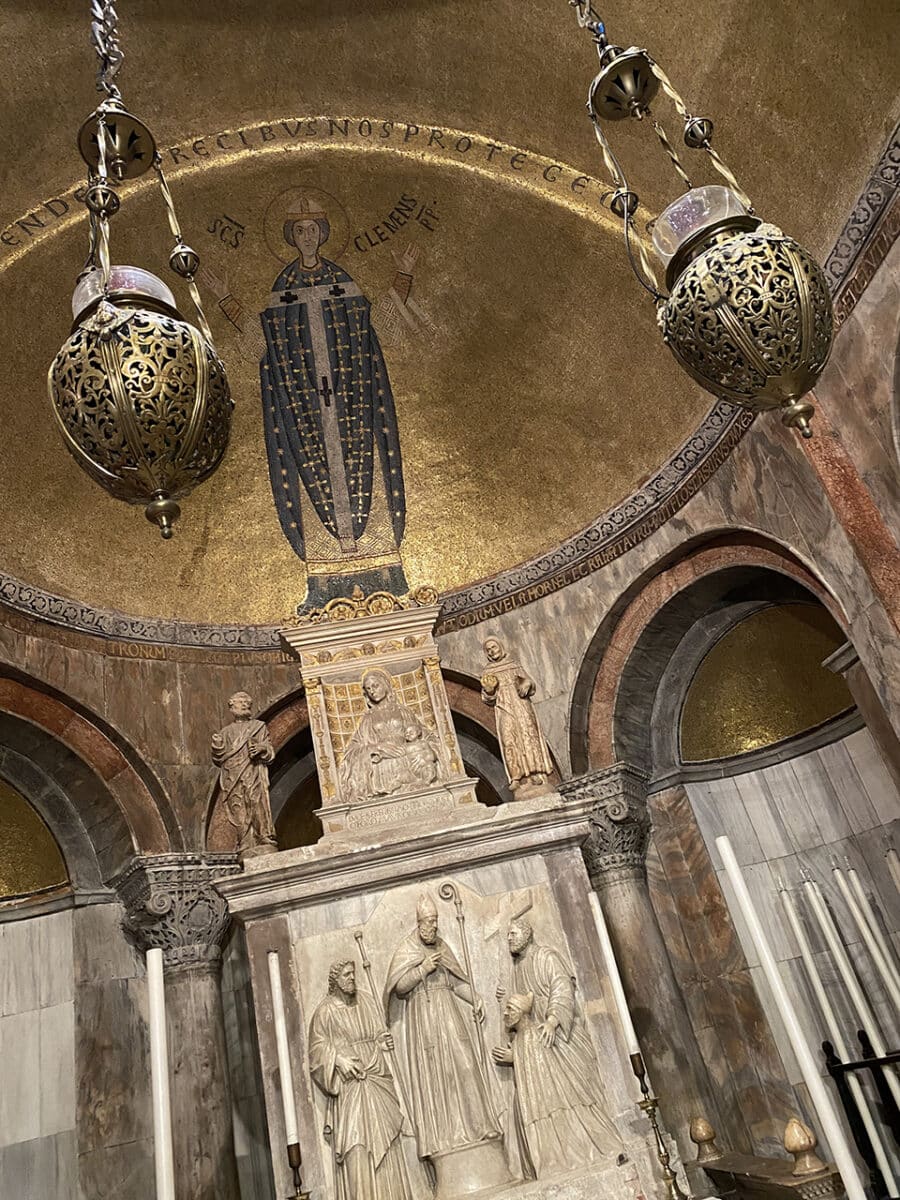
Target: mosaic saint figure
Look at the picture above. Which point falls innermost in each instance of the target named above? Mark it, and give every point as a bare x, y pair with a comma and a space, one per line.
330, 424
508, 688
348, 1060
391, 750
242, 752
559, 1103
449, 1097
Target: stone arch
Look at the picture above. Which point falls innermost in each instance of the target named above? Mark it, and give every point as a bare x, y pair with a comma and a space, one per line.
59, 812
619, 679
118, 800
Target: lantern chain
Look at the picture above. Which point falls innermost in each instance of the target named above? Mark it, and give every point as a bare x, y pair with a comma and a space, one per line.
175, 227
105, 38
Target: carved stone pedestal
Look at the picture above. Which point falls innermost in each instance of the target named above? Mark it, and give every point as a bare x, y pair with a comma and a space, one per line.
378, 771
171, 903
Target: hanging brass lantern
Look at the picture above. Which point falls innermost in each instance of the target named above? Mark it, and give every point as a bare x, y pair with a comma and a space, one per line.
139, 392
747, 312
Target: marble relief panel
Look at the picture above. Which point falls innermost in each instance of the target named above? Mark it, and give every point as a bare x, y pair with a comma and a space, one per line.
460, 1030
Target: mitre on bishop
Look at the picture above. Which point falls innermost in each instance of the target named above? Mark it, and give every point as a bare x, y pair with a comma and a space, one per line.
425, 908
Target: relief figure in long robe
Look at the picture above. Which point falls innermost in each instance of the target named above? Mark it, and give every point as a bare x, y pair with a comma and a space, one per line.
449, 1094
348, 1059
560, 1111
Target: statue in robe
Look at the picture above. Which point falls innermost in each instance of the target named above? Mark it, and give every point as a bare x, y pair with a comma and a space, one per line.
391, 751
449, 1093
348, 1060
242, 752
330, 425
508, 688
559, 1102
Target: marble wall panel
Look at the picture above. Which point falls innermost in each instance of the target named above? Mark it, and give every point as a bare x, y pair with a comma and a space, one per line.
57, 1068
37, 1067
111, 1059
250, 1131
827, 806
42, 1169
737, 1047
20, 1095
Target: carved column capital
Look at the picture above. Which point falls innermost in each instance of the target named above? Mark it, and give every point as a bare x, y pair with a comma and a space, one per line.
616, 847
171, 903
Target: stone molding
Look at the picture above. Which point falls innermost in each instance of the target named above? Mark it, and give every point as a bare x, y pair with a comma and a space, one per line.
862, 245
615, 849
172, 904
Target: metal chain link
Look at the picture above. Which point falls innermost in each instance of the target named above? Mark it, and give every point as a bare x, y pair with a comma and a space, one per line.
105, 39
177, 235
588, 17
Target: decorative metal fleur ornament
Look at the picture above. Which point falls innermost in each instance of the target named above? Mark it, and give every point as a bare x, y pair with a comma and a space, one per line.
748, 312
139, 392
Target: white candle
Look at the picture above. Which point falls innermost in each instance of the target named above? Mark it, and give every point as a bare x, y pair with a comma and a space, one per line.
848, 975
159, 1079
828, 1117
284, 1058
615, 978
866, 905
866, 927
837, 1038
893, 862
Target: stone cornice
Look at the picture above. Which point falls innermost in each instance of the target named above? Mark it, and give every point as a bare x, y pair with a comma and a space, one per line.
275, 883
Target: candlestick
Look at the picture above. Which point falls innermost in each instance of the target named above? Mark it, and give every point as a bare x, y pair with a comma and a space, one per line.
877, 931
848, 975
832, 1024
866, 929
285, 1073
159, 1079
828, 1117
649, 1105
615, 979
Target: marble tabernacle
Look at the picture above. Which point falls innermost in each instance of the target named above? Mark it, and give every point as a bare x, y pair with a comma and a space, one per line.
447, 1012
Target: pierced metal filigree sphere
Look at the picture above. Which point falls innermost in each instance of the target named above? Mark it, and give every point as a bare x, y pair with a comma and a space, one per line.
143, 404
750, 318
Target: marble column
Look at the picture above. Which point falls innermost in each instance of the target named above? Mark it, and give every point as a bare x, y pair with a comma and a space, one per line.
615, 853
171, 902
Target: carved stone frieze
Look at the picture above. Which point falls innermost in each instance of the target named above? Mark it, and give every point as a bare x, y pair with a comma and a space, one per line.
171, 903
616, 847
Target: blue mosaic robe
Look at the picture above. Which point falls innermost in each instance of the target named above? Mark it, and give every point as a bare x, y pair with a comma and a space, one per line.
315, 314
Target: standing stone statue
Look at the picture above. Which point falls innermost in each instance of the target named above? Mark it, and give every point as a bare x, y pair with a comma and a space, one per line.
449, 1097
559, 1101
242, 752
508, 688
348, 1059
391, 751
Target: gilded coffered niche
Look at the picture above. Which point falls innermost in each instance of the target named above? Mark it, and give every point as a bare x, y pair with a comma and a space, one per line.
455, 169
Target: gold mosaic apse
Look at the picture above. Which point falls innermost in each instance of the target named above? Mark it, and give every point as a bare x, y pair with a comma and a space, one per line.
532, 390
521, 415
30, 860
762, 682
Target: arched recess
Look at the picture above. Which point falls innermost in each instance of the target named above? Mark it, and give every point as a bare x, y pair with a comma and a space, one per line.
293, 781
118, 773
619, 705
108, 789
